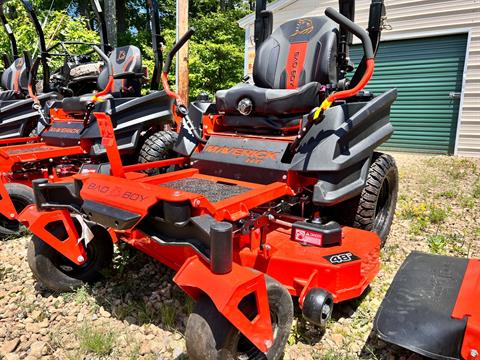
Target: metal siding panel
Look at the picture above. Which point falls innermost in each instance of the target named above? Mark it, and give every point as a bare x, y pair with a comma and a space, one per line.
421, 18
424, 71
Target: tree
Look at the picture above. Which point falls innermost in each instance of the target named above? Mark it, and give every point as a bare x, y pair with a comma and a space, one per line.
216, 50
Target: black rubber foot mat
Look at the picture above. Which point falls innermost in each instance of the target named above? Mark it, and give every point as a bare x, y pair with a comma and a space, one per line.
416, 312
213, 191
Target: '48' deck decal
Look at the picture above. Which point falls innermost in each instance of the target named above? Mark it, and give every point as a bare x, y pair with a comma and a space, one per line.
341, 258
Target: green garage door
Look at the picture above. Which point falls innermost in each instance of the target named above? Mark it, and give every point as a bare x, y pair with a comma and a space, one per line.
428, 75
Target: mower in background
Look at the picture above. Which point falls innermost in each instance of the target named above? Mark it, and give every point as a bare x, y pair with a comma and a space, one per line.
19, 122
72, 139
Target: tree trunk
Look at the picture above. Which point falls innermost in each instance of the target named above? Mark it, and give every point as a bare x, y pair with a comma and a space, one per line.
110, 19
121, 16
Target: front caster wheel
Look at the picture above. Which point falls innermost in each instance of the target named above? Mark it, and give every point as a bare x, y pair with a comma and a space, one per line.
318, 307
21, 196
210, 336
57, 273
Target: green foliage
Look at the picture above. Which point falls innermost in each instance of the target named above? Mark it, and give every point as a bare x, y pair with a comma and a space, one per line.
437, 243
60, 27
96, 341
216, 50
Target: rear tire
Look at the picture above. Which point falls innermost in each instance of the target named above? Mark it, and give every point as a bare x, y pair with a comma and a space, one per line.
376, 206
59, 274
158, 146
21, 196
210, 336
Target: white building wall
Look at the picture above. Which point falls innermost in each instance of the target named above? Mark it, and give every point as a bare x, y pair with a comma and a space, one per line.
410, 19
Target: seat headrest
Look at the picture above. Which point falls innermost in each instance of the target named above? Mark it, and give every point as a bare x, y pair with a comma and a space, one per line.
15, 77
300, 51
124, 59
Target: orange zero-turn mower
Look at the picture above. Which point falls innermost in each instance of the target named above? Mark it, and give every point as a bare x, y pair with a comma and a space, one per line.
143, 126
432, 307
254, 220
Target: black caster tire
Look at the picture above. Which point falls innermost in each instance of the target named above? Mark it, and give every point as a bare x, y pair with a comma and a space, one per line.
210, 336
318, 307
59, 274
21, 196
158, 146
376, 207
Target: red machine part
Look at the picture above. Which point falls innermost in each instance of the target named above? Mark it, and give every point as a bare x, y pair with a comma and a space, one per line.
344, 270
467, 307
110, 143
7, 208
226, 291
70, 247
18, 140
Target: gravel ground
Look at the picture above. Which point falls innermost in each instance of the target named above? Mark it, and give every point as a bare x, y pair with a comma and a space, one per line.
140, 314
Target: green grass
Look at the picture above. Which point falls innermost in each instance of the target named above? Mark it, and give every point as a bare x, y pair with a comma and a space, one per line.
437, 243
476, 190
79, 296
436, 214
169, 315
96, 341
332, 355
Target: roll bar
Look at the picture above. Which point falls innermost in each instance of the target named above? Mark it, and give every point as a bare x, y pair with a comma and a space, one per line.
377, 13
41, 41
8, 29
263, 23
347, 9
102, 25
157, 41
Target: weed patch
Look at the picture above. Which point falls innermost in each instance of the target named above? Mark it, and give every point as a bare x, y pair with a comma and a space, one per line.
96, 341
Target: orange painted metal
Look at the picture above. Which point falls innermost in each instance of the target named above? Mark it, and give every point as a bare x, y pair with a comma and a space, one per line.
19, 140
110, 143
11, 155
7, 208
37, 221
467, 306
226, 291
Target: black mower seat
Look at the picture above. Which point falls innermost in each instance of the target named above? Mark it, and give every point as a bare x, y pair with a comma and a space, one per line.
126, 59
290, 67
273, 102
15, 81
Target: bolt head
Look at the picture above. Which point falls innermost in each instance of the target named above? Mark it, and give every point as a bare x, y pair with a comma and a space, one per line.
474, 353
80, 259
284, 177
12, 215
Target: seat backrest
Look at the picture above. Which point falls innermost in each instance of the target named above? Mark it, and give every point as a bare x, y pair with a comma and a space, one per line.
298, 52
124, 59
15, 77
